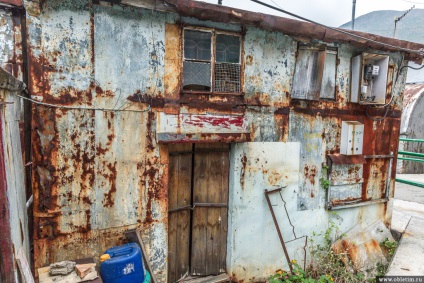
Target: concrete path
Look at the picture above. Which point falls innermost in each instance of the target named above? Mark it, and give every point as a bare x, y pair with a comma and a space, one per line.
408, 218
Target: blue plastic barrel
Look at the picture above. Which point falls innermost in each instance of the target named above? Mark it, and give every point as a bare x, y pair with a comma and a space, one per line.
125, 265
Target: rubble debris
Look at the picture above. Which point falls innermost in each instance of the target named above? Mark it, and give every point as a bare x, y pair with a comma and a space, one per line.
83, 269
62, 267
361, 247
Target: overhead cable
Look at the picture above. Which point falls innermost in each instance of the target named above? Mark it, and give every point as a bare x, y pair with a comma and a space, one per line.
419, 52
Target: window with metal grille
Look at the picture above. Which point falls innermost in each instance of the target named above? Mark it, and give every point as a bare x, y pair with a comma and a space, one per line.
211, 61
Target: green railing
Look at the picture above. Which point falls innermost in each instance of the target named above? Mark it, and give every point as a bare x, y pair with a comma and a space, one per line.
413, 154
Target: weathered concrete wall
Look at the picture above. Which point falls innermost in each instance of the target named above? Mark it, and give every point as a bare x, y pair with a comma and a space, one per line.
14, 174
98, 173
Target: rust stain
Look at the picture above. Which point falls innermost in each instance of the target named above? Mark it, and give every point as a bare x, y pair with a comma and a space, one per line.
109, 199
243, 170
310, 173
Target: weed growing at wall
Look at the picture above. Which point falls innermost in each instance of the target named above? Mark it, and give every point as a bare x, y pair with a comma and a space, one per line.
324, 182
326, 265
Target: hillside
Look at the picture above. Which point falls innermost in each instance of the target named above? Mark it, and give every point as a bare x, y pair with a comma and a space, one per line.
410, 28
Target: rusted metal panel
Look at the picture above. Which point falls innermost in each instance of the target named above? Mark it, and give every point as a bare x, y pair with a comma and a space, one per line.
11, 41
269, 65
7, 48
308, 132
172, 61
346, 184
347, 159
201, 128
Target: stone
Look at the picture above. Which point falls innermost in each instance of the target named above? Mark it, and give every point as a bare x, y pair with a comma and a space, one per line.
62, 267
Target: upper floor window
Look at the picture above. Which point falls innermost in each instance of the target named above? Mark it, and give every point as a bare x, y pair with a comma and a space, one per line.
315, 73
211, 61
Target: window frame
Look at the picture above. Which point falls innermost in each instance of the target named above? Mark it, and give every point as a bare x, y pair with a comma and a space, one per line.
214, 32
324, 49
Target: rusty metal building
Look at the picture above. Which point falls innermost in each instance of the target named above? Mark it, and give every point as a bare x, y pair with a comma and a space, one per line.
412, 127
174, 117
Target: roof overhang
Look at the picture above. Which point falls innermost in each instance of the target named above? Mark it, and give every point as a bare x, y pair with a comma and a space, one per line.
17, 3
304, 30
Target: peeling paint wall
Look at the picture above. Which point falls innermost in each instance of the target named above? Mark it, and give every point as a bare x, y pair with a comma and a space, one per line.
98, 173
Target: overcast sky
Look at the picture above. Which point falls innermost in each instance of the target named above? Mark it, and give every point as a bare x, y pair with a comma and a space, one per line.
329, 12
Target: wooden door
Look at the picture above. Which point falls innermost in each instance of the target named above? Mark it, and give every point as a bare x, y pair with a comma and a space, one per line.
210, 213
198, 213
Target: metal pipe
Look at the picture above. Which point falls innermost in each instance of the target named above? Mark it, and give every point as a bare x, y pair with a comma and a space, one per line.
411, 140
417, 184
353, 14
278, 229
358, 204
410, 153
29, 202
388, 179
378, 156
411, 159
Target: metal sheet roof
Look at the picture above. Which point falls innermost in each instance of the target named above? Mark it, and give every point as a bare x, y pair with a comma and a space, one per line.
218, 13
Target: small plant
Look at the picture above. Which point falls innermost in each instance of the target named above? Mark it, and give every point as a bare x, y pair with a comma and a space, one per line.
297, 276
390, 245
324, 182
327, 265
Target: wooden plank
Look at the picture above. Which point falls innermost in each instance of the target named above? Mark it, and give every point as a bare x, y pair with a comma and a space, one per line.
179, 195
200, 194
24, 267
172, 218
183, 226
134, 236
214, 190
6, 255
328, 86
223, 229
308, 74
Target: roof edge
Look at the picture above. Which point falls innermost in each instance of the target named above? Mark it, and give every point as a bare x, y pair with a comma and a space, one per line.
16, 3
218, 13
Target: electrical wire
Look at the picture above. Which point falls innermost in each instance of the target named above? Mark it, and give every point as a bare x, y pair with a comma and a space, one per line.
81, 107
419, 52
391, 98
